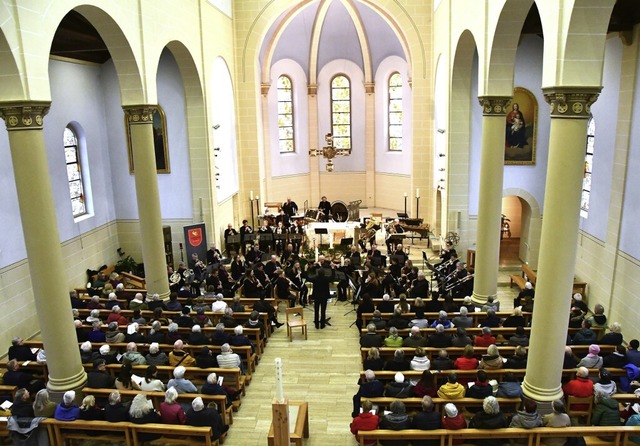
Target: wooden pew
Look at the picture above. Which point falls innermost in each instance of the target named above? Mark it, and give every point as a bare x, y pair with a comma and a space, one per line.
158, 398
498, 332
507, 405
133, 281
620, 434
477, 317
520, 279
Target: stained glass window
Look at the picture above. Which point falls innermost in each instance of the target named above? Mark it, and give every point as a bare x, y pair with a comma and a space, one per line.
395, 112
74, 172
588, 169
341, 112
286, 132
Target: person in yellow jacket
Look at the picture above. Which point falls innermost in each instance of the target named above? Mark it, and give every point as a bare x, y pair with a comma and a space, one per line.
452, 389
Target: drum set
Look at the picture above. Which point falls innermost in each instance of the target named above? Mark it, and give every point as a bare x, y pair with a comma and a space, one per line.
340, 212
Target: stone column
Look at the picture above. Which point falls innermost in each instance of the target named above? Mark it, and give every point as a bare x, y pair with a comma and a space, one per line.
490, 203
39, 223
140, 122
314, 161
568, 134
370, 146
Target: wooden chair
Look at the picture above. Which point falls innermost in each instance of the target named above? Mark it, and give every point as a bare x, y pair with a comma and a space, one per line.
295, 318
572, 401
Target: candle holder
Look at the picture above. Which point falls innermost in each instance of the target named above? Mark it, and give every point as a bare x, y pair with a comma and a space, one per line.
405, 204
253, 222
417, 208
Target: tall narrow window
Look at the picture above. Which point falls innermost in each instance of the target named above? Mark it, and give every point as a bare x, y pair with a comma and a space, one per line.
588, 168
285, 115
341, 112
74, 172
395, 112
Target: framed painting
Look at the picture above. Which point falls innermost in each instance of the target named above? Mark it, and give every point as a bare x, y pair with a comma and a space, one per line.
521, 128
160, 142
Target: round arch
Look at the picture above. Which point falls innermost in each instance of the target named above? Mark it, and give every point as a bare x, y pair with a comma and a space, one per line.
11, 87
531, 221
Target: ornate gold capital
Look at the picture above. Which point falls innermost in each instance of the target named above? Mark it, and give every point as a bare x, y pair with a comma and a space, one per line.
571, 102
24, 115
312, 89
139, 114
494, 105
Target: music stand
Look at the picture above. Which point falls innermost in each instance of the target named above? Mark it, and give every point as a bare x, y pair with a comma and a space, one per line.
354, 302
320, 232
346, 241
402, 215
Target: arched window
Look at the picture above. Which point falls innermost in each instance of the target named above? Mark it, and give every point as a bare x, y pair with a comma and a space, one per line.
74, 172
588, 168
395, 112
285, 115
341, 112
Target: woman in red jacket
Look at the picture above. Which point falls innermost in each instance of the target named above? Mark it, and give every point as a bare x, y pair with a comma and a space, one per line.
366, 421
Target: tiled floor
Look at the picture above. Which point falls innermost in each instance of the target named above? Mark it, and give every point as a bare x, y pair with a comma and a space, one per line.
322, 370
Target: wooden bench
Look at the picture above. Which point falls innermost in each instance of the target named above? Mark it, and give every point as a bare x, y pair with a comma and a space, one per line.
133, 281
499, 332
476, 316
158, 397
520, 280
299, 429
105, 431
507, 405
620, 434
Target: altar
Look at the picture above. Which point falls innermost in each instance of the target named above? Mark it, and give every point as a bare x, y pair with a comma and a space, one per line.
345, 229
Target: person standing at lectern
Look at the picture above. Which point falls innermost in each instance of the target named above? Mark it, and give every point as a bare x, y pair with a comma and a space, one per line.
230, 246
324, 208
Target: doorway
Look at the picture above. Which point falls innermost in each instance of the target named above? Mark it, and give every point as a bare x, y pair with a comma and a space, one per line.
511, 231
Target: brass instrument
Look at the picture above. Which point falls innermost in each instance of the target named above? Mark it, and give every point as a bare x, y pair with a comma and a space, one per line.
444, 265
175, 277
370, 230
458, 282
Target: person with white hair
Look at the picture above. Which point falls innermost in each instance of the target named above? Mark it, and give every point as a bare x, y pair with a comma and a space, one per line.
399, 388
219, 304
227, 359
581, 386
577, 301
490, 417
155, 356
172, 333
463, 319
614, 337
370, 388
155, 302
94, 316
67, 410
94, 303
181, 384
371, 338
116, 316
238, 339
170, 411
212, 387
492, 360
138, 303
442, 320
420, 287
386, 305
96, 334
86, 353
227, 318
440, 339
415, 338
132, 356
525, 297
180, 357
113, 334
141, 411
196, 337
115, 411
198, 415
219, 336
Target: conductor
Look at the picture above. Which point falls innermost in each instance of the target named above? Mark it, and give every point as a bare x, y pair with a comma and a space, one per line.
324, 209
321, 294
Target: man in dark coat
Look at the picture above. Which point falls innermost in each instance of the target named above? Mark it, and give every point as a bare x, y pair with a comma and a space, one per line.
321, 295
426, 420
98, 378
371, 388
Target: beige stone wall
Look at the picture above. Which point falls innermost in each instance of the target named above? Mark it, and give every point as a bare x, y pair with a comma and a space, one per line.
390, 191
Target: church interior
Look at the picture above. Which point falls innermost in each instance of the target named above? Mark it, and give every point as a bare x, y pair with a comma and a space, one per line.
511, 125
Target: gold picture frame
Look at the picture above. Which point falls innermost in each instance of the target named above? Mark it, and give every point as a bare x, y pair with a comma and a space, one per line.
160, 141
521, 127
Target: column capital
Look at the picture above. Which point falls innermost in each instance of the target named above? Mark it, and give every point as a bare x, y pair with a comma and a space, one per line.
26, 115
312, 89
494, 105
571, 102
264, 88
139, 114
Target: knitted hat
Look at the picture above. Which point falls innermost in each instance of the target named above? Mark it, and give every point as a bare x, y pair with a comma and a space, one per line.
399, 377
451, 410
104, 349
594, 349
466, 300
386, 297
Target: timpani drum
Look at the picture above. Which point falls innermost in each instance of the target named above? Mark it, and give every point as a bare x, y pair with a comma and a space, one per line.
311, 214
339, 211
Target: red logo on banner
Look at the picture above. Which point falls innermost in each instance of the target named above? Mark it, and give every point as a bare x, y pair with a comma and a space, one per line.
195, 237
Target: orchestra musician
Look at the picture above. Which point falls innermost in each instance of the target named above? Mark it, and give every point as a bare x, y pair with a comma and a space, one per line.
349, 270
283, 218
401, 255
298, 278
394, 228
354, 256
272, 267
290, 207
230, 246
237, 268
262, 277
254, 255
213, 255
297, 228
420, 286
458, 284
252, 287
283, 288
372, 286
265, 229
324, 209
373, 252
447, 252
245, 229
392, 280
199, 271
280, 230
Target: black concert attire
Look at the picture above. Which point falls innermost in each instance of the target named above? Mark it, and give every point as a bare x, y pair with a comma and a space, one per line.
463, 280
262, 306
356, 259
343, 285
251, 289
419, 288
392, 280
321, 295
280, 231
288, 258
283, 291
270, 269
298, 279
213, 256
290, 208
402, 257
325, 207
230, 246
254, 255
263, 279
393, 229
296, 229
265, 245
524, 297
284, 218
245, 229
237, 269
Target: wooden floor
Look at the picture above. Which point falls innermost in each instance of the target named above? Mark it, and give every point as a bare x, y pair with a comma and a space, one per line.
322, 370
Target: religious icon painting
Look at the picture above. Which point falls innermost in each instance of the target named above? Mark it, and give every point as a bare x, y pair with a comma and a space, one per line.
521, 128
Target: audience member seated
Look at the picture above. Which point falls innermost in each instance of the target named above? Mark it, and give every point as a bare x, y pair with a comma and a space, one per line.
237, 339
42, 405
397, 420
116, 411
524, 296
481, 388
170, 410
227, 359
468, 304
181, 384
420, 361
98, 378
453, 420
371, 338
461, 339
617, 359
112, 301
151, 383
516, 319
371, 388
576, 317
518, 360
605, 383
89, 410
141, 411
633, 354
179, 357
211, 387
21, 405
198, 415
570, 360
520, 338
463, 320
491, 320
426, 385
76, 302
173, 304
205, 358
614, 337
576, 301
605, 410
491, 304
393, 340
398, 363
490, 417
155, 356
219, 336
467, 361
598, 318
442, 361
398, 388
255, 322
427, 419
402, 304
96, 334
527, 418
156, 302
87, 355
373, 360
134, 335
14, 377
397, 321
485, 339
510, 387
415, 338
386, 306
197, 337
557, 418
124, 381
67, 410
158, 315
365, 421
442, 320
94, 303
592, 360
113, 334
377, 320
580, 387
137, 303
227, 319
439, 339
585, 335
132, 356
452, 389
115, 316
433, 305
19, 351
492, 360
201, 319
94, 316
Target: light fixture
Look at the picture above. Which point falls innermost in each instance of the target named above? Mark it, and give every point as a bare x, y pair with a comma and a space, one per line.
441, 155
441, 131
216, 126
329, 152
